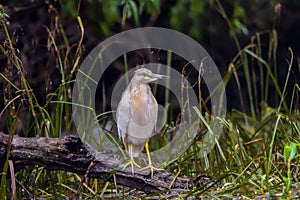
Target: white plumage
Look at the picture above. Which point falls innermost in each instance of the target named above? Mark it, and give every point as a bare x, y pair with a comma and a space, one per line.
137, 112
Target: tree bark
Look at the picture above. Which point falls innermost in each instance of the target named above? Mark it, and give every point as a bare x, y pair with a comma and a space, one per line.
73, 155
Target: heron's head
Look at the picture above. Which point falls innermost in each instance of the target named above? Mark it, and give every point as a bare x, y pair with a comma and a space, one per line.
146, 76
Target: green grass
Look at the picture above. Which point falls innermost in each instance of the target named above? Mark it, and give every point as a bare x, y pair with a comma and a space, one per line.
258, 155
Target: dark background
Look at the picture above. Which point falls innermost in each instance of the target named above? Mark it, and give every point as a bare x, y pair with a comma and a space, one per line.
30, 22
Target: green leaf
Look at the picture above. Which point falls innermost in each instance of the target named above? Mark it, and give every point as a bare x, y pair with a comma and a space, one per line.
4, 15
135, 12
286, 152
293, 152
290, 151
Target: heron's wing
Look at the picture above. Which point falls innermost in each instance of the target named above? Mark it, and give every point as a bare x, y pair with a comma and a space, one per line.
122, 114
153, 108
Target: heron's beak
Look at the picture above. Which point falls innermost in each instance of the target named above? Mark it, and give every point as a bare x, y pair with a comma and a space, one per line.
158, 76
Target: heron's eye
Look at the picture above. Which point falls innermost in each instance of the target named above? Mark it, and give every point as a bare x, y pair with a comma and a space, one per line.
147, 75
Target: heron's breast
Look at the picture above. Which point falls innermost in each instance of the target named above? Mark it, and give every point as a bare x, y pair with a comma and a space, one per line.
142, 102
142, 99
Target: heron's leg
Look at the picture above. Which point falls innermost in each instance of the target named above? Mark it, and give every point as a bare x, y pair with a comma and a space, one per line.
150, 166
131, 162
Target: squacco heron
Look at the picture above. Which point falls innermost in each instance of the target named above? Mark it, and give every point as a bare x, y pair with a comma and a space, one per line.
137, 116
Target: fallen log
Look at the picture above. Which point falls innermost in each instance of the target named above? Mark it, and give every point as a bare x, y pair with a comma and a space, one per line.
71, 154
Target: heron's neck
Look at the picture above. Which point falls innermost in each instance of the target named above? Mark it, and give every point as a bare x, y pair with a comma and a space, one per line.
135, 84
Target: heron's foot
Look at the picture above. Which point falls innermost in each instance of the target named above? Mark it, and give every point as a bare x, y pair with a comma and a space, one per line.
152, 168
132, 163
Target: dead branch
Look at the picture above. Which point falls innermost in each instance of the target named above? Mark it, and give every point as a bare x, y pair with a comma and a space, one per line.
71, 154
